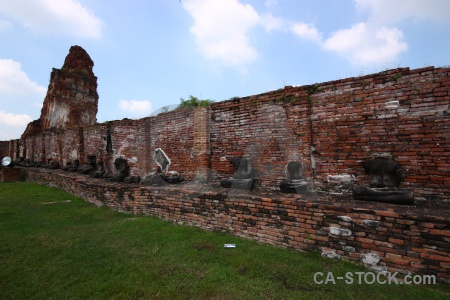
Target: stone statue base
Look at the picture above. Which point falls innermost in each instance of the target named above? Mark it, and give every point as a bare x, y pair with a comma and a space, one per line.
132, 179
115, 178
154, 179
54, 165
384, 194
160, 179
240, 184
99, 170
294, 186
122, 171
86, 170
173, 179
97, 174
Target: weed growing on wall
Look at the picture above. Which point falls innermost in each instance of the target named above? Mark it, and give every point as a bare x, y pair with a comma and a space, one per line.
194, 102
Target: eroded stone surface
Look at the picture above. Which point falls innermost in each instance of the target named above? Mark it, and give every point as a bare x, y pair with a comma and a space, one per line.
370, 259
330, 254
345, 219
340, 231
371, 223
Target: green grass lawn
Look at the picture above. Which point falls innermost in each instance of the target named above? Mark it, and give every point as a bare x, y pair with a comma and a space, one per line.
52, 248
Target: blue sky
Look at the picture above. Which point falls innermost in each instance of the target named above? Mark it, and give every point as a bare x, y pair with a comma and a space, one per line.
150, 53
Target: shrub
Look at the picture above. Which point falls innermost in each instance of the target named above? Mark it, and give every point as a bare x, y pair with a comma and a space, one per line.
194, 102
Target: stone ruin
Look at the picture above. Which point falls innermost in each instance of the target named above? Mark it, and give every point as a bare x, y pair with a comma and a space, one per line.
385, 178
122, 171
295, 182
268, 216
162, 175
243, 178
65, 106
88, 168
71, 102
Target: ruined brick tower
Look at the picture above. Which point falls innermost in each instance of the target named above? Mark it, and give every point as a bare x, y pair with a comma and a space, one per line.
72, 98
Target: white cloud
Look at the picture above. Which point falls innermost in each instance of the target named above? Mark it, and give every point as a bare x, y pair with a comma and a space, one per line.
10, 133
302, 30
270, 23
136, 107
307, 31
394, 11
14, 81
62, 17
379, 38
222, 30
10, 119
366, 44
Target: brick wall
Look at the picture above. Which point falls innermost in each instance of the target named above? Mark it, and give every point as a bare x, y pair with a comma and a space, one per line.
27, 149
331, 128
400, 113
4, 149
52, 146
267, 128
173, 132
14, 149
10, 174
71, 144
412, 239
135, 140
201, 145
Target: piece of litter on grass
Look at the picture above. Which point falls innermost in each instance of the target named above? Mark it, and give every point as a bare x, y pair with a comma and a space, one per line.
229, 246
66, 201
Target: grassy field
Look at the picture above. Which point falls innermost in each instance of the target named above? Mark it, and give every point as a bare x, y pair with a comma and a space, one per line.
53, 248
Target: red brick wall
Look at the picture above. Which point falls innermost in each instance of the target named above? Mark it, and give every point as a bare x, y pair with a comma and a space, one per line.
344, 122
267, 128
331, 128
173, 132
52, 146
70, 141
4, 149
356, 118
201, 146
14, 149
126, 143
135, 140
405, 239
10, 174
29, 147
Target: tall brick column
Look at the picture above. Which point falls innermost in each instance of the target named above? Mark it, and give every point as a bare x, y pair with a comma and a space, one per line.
202, 143
11, 148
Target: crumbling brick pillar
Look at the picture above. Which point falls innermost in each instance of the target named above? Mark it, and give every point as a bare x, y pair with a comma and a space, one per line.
146, 159
202, 116
11, 148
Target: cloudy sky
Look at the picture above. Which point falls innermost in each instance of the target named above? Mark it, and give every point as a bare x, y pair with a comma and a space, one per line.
150, 53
